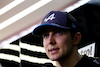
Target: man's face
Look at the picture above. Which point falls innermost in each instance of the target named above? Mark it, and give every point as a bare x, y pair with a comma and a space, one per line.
57, 43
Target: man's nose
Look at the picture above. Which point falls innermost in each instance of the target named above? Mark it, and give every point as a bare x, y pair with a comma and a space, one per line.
52, 39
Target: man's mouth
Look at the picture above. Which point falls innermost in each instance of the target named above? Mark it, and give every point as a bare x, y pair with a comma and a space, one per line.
53, 50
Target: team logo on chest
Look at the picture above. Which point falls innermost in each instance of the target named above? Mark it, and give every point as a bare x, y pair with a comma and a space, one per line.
51, 17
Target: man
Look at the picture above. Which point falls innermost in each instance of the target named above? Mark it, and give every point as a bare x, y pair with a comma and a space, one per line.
60, 39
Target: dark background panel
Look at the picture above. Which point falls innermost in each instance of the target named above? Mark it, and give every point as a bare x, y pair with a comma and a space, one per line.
88, 17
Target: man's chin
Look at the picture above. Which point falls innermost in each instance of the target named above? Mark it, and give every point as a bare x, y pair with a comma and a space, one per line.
54, 59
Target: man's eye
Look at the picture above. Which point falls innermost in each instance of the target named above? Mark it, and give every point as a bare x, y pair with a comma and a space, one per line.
58, 33
45, 35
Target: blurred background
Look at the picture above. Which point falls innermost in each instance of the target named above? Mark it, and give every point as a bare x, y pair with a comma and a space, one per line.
18, 18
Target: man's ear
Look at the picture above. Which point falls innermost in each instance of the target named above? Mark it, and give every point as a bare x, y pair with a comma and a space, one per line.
77, 38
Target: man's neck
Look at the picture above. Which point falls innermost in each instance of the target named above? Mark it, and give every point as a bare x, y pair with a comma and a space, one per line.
70, 61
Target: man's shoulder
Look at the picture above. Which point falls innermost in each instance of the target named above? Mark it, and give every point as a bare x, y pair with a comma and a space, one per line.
88, 62
94, 61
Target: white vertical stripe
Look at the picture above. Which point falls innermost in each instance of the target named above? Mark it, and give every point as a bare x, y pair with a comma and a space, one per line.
36, 60
12, 47
76, 5
10, 6
10, 57
32, 47
24, 13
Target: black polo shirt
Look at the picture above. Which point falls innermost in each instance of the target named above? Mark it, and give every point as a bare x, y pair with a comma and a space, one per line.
88, 62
